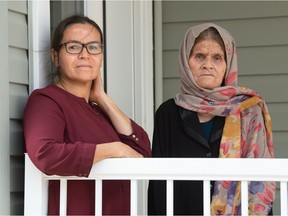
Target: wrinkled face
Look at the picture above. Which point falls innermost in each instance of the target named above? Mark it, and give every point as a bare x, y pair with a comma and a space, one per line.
82, 67
207, 63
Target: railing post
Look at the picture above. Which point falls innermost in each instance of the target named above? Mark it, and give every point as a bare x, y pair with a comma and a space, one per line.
284, 200
98, 197
35, 190
244, 198
133, 197
169, 197
63, 197
206, 197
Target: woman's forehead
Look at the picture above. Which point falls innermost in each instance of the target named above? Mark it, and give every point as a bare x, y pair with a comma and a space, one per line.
81, 32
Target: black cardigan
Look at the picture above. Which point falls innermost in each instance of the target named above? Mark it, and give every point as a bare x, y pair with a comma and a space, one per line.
178, 133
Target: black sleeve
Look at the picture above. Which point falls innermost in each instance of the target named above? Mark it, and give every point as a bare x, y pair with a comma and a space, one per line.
157, 189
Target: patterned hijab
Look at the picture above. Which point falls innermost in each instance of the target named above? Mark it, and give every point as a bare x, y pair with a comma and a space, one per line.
246, 115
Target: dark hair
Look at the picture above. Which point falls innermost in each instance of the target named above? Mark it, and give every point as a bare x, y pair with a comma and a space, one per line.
210, 33
75, 19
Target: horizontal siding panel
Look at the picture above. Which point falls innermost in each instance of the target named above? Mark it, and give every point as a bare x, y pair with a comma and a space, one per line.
183, 11
247, 33
263, 60
280, 144
170, 88
18, 30
278, 113
273, 88
18, 66
16, 138
260, 32
18, 100
18, 6
170, 68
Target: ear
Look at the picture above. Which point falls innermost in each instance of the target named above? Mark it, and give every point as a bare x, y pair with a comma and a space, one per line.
54, 57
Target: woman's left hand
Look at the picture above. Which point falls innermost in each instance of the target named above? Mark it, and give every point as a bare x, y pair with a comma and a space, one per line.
120, 121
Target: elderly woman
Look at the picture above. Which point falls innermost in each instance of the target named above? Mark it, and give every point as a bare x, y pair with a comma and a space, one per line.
211, 117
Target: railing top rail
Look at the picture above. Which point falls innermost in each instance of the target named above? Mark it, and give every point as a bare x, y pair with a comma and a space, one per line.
188, 169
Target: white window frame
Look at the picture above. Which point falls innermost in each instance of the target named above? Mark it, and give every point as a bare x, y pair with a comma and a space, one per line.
129, 43
94, 10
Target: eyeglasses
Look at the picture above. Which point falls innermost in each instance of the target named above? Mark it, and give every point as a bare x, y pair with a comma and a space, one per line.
75, 47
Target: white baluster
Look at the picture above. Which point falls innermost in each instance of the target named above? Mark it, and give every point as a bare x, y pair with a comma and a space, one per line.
63, 197
284, 200
206, 197
98, 197
170, 198
244, 198
133, 197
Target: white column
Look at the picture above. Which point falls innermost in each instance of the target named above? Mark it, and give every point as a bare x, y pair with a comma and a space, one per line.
94, 10
129, 43
39, 43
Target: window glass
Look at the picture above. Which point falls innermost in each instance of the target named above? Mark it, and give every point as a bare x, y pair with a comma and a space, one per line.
62, 9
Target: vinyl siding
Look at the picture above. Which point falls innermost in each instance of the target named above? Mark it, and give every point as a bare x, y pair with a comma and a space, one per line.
4, 114
261, 33
18, 94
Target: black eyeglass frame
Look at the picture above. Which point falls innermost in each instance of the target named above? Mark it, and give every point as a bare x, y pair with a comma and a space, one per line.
83, 45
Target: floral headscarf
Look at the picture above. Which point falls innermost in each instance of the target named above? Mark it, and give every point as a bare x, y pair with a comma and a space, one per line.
247, 131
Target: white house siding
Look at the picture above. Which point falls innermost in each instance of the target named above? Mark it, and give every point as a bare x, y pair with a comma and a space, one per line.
18, 93
261, 33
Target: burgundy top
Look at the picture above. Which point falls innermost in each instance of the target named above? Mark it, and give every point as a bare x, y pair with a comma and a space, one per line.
61, 134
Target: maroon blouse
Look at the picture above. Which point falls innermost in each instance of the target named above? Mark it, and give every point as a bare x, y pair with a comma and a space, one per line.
61, 134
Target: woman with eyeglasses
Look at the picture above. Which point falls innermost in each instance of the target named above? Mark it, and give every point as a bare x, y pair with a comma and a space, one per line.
71, 124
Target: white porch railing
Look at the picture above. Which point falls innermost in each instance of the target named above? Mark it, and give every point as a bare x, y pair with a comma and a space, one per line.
169, 169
